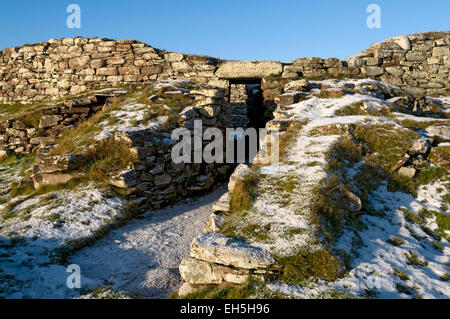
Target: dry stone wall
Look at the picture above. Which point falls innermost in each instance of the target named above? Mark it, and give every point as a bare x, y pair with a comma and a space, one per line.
50, 70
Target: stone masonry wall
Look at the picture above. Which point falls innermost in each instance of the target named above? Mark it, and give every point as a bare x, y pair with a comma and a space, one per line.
50, 70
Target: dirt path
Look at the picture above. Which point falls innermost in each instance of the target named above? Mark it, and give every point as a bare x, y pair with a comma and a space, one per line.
143, 256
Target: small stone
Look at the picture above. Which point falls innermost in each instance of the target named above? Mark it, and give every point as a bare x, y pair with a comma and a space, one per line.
404, 43
223, 204
162, 180
214, 223
408, 172
50, 121
420, 146
125, 179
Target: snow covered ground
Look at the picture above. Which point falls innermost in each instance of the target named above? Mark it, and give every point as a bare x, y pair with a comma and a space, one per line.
380, 268
141, 258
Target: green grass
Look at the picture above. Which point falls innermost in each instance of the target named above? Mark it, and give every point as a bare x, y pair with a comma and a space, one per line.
306, 265
446, 198
429, 175
418, 125
250, 289
443, 222
412, 217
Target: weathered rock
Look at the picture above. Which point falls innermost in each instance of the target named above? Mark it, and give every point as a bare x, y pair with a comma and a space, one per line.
45, 179
420, 146
298, 85
214, 223
60, 163
238, 175
404, 43
198, 272
372, 70
223, 204
50, 121
233, 275
125, 179
408, 172
217, 249
290, 98
346, 200
442, 130
401, 162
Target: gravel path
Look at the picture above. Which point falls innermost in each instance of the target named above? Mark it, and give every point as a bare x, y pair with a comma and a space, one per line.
143, 256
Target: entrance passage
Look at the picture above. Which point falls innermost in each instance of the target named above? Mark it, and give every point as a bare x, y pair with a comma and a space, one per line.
248, 111
247, 102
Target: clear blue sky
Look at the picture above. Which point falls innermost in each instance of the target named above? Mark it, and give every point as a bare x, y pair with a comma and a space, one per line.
232, 29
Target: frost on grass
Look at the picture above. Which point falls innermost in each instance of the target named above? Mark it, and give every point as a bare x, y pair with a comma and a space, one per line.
45, 230
387, 251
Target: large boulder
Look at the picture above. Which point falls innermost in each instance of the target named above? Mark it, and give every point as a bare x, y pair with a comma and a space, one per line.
249, 70
215, 248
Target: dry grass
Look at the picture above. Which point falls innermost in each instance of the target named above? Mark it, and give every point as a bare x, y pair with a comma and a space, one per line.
357, 109
106, 158
331, 93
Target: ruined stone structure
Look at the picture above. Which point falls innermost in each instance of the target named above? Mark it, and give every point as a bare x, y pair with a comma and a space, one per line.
50, 70
419, 64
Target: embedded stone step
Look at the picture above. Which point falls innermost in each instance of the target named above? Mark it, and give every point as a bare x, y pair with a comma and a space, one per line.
198, 272
237, 176
221, 250
222, 205
214, 223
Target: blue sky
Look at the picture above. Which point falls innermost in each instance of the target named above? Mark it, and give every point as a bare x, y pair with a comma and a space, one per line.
232, 29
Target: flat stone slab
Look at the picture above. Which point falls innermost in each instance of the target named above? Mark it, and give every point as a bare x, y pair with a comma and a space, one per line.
218, 249
249, 70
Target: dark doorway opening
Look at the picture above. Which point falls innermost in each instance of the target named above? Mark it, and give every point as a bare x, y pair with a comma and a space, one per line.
248, 110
